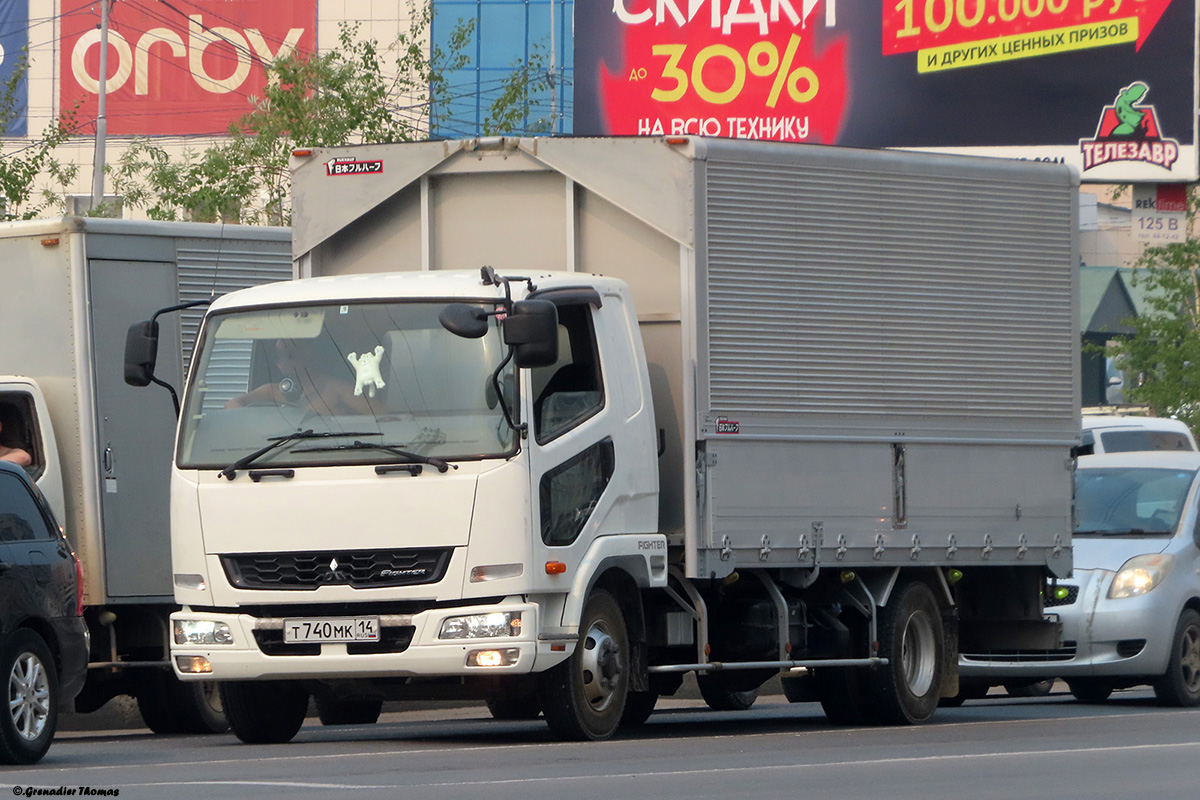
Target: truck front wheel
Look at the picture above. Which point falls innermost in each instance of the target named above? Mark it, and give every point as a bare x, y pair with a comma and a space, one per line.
907, 690
168, 705
264, 712
584, 697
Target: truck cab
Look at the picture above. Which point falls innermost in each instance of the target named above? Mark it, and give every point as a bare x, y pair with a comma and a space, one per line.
431, 505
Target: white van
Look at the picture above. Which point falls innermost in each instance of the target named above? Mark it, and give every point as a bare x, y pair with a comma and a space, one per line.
1113, 433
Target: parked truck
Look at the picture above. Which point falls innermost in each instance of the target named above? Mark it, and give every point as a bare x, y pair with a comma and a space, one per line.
554, 422
102, 450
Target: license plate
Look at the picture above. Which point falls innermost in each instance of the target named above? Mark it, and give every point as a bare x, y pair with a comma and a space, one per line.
331, 629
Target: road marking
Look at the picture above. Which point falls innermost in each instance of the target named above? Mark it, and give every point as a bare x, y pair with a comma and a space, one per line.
680, 773
435, 750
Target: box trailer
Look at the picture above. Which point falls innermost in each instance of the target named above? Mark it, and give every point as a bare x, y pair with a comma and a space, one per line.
101, 449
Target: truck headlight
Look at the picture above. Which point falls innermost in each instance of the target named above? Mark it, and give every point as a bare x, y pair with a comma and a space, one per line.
1139, 575
479, 626
202, 631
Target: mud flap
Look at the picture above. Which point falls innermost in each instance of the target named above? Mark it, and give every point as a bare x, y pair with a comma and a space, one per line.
949, 652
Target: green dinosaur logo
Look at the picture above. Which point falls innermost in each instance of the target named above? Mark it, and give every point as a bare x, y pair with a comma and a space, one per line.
1128, 131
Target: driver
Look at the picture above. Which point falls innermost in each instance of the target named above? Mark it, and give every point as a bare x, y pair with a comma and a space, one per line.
306, 383
16, 455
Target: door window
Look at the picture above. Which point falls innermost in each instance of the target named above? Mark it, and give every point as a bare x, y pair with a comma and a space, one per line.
20, 518
17, 432
570, 390
570, 491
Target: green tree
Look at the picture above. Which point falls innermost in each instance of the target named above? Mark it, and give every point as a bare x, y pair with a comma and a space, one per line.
1162, 358
20, 169
342, 96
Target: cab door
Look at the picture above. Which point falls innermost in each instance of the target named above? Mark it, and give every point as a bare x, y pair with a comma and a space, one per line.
571, 415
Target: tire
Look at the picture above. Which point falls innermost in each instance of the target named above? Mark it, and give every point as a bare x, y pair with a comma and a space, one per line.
169, 705
842, 692
1035, 689
154, 701
720, 698
264, 712
638, 708
1180, 684
199, 707
28, 722
907, 690
584, 697
797, 690
514, 707
335, 711
1090, 690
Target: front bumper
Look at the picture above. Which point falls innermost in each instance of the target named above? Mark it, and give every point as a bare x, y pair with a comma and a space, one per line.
1129, 637
408, 647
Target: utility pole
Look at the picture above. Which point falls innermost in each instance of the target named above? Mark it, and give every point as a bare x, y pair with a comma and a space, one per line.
553, 72
101, 122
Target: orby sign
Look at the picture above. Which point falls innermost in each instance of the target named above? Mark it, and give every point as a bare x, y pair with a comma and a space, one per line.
188, 67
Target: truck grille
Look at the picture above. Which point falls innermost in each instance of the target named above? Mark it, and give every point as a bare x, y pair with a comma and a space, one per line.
359, 569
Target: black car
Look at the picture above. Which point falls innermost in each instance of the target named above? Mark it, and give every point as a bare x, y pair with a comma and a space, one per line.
43, 639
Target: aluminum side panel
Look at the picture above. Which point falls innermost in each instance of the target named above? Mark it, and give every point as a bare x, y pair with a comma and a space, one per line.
876, 292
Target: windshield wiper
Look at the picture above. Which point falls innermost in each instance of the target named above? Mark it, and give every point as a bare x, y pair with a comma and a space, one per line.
230, 472
441, 464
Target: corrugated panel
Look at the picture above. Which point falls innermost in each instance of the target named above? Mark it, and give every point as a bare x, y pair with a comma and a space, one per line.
213, 267
837, 291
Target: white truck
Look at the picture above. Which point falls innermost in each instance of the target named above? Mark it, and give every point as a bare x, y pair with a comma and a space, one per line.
553, 422
101, 450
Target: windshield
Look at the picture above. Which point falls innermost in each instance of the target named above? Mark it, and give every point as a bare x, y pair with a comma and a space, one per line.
1124, 500
387, 374
1131, 441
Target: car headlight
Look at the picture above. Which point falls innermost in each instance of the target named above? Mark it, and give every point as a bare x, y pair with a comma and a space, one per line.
479, 626
202, 631
1139, 575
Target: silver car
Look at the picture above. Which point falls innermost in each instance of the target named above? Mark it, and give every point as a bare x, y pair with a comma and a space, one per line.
1131, 609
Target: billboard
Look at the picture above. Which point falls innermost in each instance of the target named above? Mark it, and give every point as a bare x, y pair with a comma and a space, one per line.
187, 67
14, 38
1109, 86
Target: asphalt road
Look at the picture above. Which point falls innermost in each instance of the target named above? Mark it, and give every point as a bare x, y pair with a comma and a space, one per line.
999, 748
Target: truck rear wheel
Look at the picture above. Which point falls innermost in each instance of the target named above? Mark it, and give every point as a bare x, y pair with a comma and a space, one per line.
719, 697
1090, 690
264, 712
584, 697
907, 690
842, 692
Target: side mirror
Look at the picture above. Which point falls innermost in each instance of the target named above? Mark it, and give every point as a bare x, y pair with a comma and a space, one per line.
467, 321
141, 353
532, 330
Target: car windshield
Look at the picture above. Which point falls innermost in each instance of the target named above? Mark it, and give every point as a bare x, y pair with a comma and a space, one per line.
1135, 440
387, 371
1125, 500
